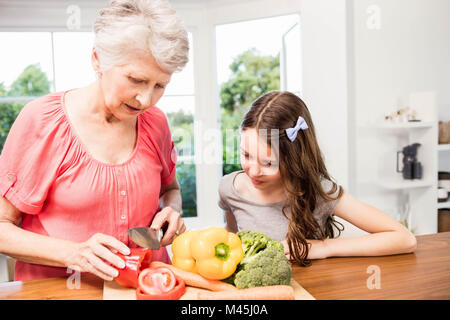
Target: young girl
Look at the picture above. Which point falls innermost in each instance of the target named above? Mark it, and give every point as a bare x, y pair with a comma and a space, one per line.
286, 192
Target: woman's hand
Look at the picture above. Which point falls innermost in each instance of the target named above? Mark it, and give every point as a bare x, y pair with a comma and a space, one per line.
96, 256
175, 224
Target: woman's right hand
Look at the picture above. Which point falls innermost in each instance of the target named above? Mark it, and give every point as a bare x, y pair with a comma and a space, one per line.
96, 256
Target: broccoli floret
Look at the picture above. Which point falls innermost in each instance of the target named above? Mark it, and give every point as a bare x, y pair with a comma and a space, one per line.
264, 262
253, 242
276, 244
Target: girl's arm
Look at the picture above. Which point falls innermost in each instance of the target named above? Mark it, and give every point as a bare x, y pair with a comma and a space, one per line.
387, 236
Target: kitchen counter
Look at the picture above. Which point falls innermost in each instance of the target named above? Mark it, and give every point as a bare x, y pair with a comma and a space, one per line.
424, 274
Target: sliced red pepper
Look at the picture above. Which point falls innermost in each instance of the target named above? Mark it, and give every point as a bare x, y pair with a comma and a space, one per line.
156, 280
138, 260
174, 294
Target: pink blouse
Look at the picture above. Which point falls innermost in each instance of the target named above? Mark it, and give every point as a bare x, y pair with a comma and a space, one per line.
63, 192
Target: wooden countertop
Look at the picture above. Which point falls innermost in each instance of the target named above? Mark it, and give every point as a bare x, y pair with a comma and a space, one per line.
424, 274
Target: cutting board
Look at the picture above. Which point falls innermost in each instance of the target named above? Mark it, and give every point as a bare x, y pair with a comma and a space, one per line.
113, 291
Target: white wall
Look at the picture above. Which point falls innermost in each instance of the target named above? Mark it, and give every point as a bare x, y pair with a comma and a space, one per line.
354, 75
323, 25
50, 15
408, 53
326, 77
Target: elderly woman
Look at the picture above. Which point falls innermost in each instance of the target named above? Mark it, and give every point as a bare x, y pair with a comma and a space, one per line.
81, 167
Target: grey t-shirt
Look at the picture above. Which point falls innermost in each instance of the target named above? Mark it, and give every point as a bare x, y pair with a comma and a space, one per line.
266, 218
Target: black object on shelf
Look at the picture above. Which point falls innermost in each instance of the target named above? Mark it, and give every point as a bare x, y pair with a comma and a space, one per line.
412, 169
443, 175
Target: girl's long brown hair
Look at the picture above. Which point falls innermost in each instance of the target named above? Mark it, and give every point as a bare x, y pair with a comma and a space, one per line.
301, 167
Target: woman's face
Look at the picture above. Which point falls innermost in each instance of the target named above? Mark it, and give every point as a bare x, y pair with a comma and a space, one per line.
259, 161
131, 89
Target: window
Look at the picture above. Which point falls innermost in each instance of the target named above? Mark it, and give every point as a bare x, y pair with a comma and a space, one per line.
264, 57
24, 49
26, 72
178, 103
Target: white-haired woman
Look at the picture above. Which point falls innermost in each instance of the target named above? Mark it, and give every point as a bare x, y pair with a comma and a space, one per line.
81, 167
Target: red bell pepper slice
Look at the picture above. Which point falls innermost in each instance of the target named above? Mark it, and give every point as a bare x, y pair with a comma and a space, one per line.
156, 280
174, 294
138, 260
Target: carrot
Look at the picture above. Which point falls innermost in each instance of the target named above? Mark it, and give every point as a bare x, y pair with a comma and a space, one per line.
196, 280
276, 292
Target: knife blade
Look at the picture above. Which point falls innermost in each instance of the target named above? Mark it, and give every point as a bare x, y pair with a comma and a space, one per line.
146, 237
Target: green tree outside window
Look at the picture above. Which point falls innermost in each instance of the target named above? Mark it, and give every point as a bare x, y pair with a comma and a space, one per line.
252, 75
32, 82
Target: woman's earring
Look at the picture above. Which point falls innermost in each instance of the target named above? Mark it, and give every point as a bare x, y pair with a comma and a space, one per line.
99, 74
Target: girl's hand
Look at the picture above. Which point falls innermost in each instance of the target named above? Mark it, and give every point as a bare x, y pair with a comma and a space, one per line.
175, 224
286, 247
96, 256
317, 249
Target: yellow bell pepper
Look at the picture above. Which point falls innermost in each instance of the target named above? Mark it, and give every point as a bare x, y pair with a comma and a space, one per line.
181, 249
213, 252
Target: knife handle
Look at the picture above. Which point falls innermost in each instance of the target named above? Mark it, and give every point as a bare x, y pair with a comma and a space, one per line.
164, 227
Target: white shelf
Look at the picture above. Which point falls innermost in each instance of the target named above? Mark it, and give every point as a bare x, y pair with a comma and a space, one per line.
397, 184
403, 125
443, 205
443, 147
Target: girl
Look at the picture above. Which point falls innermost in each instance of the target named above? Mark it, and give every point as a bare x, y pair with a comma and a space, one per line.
286, 192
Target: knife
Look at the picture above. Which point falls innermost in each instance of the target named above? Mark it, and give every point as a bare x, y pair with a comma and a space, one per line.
147, 237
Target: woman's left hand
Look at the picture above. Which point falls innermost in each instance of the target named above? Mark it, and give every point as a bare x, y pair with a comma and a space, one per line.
175, 224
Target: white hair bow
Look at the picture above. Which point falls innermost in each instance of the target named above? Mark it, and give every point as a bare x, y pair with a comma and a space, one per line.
292, 132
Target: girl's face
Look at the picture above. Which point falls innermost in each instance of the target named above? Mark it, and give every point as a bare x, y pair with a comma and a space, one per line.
259, 161
131, 89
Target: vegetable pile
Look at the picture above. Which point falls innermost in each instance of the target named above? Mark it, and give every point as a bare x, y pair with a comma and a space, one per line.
264, 262
244, 266
219, 290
